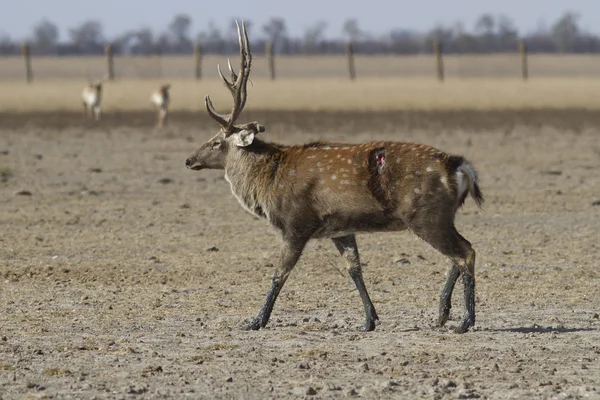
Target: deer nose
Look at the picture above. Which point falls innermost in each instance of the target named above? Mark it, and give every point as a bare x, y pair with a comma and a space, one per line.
188, 162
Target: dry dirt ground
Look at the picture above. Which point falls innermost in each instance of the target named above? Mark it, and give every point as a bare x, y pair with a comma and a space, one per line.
124, 274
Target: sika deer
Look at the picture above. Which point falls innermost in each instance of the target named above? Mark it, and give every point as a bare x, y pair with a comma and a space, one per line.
161, 99
334, 190
92, 99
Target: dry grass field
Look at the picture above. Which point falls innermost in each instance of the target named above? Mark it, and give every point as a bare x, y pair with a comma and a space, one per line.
124, 275
316, 94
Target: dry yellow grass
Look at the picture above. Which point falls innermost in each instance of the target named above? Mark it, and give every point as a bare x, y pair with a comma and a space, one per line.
317, 94
318, 82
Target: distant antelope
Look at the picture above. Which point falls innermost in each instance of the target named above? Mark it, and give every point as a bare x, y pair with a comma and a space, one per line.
92, 99
333, 190
161, 99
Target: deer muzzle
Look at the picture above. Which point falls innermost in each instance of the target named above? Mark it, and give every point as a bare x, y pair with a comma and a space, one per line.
191, 163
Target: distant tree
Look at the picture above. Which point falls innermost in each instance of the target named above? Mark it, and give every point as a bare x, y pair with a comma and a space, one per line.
145, 41
179, 30
351, 30
485, 25
163, 44
212, 39
314, 35
404, 41
6, 44
565, 31
88, 36
276, 32
441, 33
123, 43
507, 33
45, 35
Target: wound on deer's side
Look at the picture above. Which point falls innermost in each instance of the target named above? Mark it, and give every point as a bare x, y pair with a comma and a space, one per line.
379, 182
380, 159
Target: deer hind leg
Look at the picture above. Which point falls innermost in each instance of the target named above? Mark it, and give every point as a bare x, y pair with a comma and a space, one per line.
346, 245
446, 296
290, 253
97, 113
159, 122
450, 243
163, 116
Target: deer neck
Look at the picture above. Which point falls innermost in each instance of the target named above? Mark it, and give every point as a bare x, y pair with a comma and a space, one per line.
251, 173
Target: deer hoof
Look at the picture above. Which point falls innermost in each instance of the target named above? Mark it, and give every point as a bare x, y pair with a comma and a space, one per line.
464, 327
254, 325
368, 326
442, 319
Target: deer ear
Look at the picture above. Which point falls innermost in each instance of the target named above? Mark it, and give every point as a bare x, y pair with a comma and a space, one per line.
242, 138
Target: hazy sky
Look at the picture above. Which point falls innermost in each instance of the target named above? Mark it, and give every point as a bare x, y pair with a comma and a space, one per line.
375, 16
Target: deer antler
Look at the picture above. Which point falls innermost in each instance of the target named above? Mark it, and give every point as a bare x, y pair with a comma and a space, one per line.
237, 85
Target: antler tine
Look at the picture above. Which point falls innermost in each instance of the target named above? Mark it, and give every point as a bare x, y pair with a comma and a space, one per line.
220, 118
248, 57
227, 83
233, 74
242, 79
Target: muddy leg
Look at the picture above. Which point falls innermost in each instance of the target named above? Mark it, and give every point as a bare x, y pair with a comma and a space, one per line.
290, 253
444, 237
468, 275
446, 297
347, 247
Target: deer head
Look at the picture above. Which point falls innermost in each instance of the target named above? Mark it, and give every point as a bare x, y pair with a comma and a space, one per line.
231, 136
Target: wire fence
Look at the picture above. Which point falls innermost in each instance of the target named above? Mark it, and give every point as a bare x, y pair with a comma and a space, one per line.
508, 65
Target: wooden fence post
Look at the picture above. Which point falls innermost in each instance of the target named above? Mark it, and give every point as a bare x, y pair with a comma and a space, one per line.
27, 57
350, 56
524, 66
437, 49
110, 67
270, 59
197, 60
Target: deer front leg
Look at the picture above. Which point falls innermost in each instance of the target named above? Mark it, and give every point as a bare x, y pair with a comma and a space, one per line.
290, 253
446, 296
346, 245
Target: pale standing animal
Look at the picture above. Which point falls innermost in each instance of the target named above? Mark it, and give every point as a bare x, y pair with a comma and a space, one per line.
334, 190
161, 99
92, 100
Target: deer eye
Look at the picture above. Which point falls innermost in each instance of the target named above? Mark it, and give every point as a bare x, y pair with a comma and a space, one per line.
216, 144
